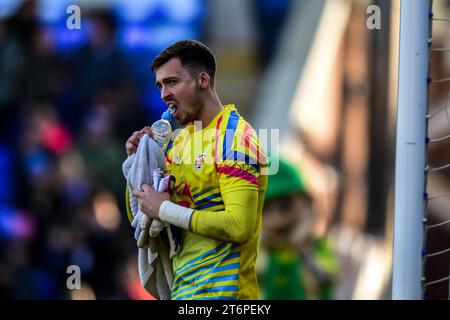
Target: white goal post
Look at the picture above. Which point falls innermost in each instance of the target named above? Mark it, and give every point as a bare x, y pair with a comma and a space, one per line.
410, 149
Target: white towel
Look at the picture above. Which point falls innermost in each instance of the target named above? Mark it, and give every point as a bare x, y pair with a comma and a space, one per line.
156, 252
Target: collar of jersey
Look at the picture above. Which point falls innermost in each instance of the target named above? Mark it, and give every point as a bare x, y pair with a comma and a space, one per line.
226, 108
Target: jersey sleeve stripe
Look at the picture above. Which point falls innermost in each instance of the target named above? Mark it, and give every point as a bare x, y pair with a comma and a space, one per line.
217, 139
238, 173
233, 120
243, 157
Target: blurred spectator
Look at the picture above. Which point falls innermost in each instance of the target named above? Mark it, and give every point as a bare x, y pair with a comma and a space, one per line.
271, 16
296, 265
15, 42
46, 75
97, 64
100, 149
64, 118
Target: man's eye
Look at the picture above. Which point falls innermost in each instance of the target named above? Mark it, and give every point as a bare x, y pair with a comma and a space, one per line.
172, 82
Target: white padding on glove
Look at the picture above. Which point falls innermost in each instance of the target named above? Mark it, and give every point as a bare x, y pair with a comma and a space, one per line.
175, 214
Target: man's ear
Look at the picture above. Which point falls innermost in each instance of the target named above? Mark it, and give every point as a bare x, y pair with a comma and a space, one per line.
204, 80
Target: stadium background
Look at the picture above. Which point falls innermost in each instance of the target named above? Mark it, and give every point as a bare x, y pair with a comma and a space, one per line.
70, 98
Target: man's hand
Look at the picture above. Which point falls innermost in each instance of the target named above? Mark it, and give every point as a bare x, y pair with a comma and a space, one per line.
132, 142
150, 200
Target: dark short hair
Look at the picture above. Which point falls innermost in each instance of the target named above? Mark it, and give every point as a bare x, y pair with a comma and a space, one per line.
194, 56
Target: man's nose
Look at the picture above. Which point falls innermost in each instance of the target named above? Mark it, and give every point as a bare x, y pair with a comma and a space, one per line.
165, 93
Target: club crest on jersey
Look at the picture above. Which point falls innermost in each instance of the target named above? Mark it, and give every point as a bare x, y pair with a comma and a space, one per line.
177, 160
199, 161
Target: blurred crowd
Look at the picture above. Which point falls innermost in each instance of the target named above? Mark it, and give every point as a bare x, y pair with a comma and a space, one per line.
64, 120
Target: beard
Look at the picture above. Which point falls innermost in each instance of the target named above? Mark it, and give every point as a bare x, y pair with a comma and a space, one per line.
196, 105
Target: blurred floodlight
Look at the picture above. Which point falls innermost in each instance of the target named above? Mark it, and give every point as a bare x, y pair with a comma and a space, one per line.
7, 7
135, 11
184, 11
84, 293
154, 37
15, 223
106, 211
177, 11
51, 11
167, 35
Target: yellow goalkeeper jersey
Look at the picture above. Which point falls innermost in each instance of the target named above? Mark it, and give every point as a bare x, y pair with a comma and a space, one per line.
218, 174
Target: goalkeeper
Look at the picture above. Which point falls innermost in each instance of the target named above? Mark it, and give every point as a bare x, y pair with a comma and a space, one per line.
218, 196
